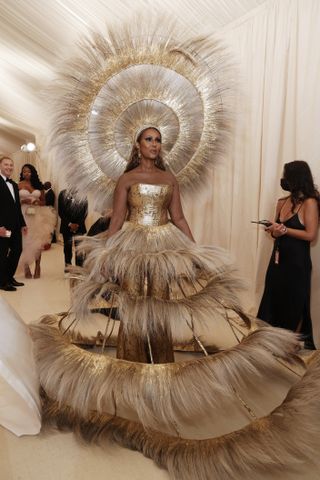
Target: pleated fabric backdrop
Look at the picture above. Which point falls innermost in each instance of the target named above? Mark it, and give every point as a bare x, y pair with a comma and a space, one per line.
277, 118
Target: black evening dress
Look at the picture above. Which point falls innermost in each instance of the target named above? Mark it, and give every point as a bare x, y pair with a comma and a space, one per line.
286, 298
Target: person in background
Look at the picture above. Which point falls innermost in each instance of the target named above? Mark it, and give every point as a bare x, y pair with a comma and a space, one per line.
12, 225
49, 194
50, 197
286, 298
100, 225
73, 213
40, 219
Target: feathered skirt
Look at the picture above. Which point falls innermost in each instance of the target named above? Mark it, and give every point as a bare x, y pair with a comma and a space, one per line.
237, 407
41, 223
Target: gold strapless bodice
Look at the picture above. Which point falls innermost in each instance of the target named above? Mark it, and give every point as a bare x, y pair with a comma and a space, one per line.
148, 204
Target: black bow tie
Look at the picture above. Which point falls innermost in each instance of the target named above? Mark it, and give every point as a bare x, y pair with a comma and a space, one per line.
8, 180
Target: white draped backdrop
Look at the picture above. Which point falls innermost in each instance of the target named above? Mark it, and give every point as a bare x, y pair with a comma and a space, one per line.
275, 46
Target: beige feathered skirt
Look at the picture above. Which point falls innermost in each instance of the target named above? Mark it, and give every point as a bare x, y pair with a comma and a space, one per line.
41, 224
243, 405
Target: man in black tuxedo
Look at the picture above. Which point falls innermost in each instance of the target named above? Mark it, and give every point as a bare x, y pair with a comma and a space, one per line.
73, 213
12, 225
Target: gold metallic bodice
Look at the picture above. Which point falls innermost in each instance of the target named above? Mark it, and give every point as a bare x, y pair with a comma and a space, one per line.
148, 204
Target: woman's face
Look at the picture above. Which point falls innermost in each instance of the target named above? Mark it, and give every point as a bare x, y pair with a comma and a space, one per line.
150, 144
26, 173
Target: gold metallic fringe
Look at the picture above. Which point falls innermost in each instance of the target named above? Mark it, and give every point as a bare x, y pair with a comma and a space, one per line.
285, 440
147, 315
159, 394
161, 280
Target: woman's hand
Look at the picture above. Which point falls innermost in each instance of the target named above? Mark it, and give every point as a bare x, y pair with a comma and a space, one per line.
277, 229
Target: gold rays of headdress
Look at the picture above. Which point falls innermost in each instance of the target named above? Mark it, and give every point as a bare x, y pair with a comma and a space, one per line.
135, 74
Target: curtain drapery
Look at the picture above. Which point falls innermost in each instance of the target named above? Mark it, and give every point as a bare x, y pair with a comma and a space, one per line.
277, 120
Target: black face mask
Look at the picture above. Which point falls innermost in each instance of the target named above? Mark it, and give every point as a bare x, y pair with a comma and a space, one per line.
285, 184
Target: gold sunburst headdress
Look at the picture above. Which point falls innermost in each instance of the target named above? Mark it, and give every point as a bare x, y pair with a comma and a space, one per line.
137, 74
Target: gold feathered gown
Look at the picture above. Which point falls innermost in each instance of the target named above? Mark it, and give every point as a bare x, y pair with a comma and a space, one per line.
243, 405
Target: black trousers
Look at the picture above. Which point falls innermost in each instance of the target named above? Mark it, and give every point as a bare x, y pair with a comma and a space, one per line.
69, 243
10, 251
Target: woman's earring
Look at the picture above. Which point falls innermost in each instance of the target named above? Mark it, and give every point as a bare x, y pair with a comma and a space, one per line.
139, 155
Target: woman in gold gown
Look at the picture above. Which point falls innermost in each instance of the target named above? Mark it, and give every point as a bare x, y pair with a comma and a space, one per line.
151, 192
245, 409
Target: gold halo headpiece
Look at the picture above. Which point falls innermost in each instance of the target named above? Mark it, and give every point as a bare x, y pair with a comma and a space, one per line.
143, 73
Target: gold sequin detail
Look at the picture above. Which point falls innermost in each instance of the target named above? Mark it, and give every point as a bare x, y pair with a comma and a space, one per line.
148, 204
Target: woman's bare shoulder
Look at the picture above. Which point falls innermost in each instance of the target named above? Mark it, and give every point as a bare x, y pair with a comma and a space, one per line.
310, 203
283, 199
125, 179
169, 178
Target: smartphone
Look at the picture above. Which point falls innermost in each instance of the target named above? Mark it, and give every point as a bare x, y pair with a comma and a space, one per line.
265, 223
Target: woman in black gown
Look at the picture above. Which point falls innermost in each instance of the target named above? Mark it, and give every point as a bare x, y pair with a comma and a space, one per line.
286, 298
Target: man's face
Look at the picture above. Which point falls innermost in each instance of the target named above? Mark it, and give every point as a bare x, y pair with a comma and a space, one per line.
6, 167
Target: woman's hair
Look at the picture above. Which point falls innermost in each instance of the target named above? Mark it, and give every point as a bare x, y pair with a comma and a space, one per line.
300, 181
134, 159
34, 179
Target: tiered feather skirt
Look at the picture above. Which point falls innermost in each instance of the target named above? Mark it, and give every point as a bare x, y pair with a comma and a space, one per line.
238, 407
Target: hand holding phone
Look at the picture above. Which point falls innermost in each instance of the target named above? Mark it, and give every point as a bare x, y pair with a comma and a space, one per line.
265, 223
5, 233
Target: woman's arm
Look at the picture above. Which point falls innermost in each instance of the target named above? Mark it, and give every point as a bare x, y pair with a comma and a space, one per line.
119, 210
176, 211
311, 223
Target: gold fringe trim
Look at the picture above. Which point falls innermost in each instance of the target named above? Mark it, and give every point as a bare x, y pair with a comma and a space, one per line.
285, 440
170, 285
162, 394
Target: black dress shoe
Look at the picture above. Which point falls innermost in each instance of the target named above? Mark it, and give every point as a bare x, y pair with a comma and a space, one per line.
14, 283
8, 288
